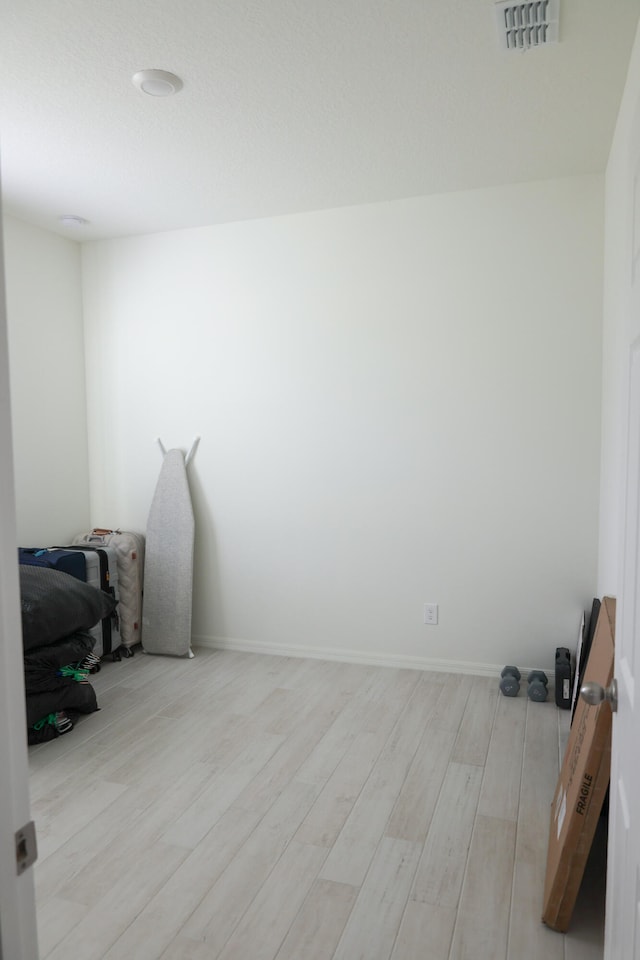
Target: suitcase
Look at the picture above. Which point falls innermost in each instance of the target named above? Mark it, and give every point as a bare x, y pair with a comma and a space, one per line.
67, 561
102, 573
129, 549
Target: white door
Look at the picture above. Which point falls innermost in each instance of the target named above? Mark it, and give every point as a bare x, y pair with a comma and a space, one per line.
18, 940
622, 940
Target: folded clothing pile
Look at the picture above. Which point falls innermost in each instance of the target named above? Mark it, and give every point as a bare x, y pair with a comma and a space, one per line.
57, 611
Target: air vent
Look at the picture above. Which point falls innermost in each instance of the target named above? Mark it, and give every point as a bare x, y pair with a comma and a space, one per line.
525, 25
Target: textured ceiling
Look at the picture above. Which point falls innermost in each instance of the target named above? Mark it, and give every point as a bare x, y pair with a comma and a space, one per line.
290, 105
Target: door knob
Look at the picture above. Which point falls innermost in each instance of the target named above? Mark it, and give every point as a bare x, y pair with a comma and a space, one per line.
594, 694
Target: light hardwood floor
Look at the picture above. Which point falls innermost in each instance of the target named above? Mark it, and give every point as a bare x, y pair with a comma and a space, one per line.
249, 807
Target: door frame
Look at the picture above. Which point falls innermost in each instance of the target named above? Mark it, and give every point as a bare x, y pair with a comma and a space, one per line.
18, 930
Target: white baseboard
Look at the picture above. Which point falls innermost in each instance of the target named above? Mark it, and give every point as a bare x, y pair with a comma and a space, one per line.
352, 656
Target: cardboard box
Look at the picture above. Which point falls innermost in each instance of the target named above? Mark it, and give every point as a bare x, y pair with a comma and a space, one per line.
582, 784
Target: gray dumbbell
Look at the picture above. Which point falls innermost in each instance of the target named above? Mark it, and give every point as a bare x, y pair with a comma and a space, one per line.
510, 682
537, 686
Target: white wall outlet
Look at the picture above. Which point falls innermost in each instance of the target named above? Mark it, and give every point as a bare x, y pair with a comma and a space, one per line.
431, 613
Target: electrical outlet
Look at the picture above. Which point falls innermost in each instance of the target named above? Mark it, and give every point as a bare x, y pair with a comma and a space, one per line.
431, 613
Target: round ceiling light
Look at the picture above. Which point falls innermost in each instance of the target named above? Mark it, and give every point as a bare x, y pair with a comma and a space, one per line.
157, 83
71, 220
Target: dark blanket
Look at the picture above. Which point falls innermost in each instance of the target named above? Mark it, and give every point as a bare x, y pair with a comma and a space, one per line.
52, 726
44, 667
70, 695
55, 605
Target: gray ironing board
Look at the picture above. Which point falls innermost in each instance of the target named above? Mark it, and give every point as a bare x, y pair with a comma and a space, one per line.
168, 569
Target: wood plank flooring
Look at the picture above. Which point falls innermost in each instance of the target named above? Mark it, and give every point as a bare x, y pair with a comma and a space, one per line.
247, 807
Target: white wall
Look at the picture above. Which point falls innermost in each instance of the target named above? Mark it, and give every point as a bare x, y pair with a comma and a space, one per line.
398, 403
619, 212
46, 353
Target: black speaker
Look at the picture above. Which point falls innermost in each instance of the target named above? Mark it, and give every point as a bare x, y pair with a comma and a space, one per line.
563, 678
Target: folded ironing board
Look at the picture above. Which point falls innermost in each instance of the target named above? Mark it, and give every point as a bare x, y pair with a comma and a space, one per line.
168, 574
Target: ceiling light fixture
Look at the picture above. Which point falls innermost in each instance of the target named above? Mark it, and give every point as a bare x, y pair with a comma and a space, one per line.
71, 220
157, 83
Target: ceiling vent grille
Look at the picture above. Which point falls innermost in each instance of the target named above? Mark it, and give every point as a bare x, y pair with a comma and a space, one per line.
525, 25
